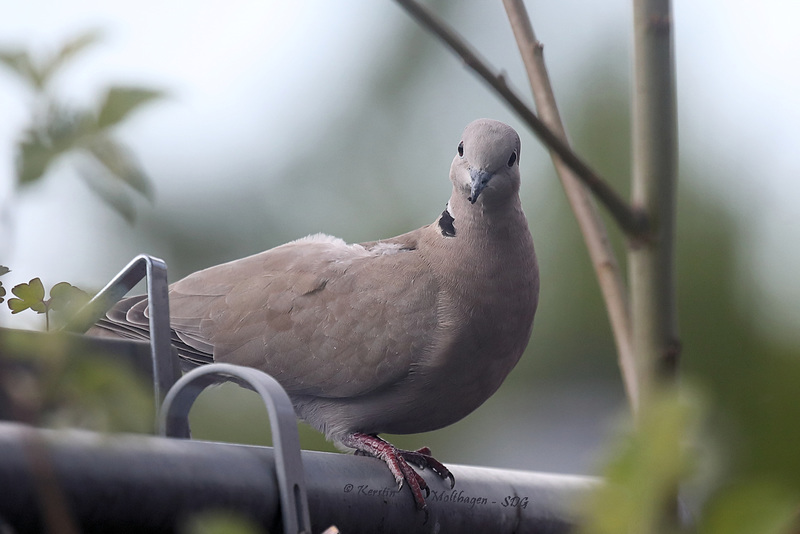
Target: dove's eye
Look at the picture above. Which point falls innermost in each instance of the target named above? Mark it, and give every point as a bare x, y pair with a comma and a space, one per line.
461, 149
512, 159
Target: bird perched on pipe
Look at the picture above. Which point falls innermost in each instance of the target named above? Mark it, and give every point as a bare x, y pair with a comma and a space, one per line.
401, 335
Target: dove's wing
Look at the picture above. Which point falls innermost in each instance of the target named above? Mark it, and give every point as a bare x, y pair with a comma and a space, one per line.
323, 317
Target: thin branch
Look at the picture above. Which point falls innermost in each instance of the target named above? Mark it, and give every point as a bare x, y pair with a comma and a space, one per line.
591, 224
631, 222
654, 191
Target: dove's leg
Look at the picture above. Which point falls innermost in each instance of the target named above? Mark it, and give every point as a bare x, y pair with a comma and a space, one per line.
398, 462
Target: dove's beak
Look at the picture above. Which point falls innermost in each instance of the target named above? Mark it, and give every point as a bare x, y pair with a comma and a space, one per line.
479, 178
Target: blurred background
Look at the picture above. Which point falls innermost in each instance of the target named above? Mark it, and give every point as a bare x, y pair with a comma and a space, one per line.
287, 118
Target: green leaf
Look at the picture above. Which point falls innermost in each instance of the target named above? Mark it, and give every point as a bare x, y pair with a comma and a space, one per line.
21, 63
119, 102
65, 297
113, 192
31, 295
24, 66
3, 270
67, 128
122, 164
68, 51
62, 130
33, 159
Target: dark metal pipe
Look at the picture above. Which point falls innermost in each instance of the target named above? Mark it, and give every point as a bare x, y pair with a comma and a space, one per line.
119, 483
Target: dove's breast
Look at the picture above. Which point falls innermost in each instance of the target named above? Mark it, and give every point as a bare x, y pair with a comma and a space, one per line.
483, 321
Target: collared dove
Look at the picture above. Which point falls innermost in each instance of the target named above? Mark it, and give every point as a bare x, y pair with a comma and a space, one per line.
401, 335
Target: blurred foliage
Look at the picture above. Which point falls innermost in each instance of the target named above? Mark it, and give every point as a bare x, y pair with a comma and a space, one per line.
669, 449
106, 165
47, 379
60, 380
219, 522
729, 438
647, 467
729, 441
751, 507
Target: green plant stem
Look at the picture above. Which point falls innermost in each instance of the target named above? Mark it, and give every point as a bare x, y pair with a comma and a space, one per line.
633, 223
594, 232
654, 190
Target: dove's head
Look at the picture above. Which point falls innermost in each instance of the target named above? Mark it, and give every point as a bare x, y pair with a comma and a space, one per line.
487, 162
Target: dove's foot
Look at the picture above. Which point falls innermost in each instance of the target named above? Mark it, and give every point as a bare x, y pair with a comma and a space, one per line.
398, 461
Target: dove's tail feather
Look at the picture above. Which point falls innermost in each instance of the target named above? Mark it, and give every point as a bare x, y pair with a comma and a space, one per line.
129, 320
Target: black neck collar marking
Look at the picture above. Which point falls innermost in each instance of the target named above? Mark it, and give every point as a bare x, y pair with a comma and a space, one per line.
446, 224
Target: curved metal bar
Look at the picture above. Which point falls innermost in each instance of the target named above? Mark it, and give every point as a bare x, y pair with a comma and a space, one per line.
174, 422
165, 367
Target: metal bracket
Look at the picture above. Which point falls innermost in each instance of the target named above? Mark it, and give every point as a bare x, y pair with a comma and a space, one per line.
165, 369
174, 422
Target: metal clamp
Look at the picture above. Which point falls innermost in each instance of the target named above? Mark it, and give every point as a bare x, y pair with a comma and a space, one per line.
174, 422
165, 370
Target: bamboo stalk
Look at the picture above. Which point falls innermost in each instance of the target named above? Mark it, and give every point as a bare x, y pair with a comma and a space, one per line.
602, 255
631, 221
654, 190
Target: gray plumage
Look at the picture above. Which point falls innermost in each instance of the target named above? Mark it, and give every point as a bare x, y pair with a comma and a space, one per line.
401, 335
